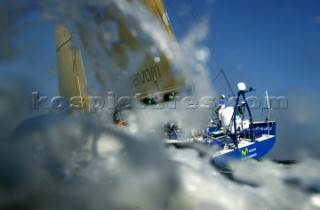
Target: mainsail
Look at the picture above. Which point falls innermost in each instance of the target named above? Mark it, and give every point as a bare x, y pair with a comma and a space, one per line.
72, 80
154, 77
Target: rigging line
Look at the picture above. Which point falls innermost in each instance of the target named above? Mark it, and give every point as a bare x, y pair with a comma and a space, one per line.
217, 77
213, 51
212, 71
197, 18
179, 19
228, 82
181, 23
185, 30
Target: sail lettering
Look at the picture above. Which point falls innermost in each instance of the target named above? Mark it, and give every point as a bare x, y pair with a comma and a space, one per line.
149, 74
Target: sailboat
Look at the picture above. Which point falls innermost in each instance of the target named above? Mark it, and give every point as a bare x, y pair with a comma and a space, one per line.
154, 81
236, 138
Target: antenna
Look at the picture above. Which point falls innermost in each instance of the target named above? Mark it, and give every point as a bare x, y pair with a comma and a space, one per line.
269, 107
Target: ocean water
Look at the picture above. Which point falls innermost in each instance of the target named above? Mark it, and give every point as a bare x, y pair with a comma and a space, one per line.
50, 160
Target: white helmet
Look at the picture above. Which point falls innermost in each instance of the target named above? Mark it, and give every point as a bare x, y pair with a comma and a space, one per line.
222, 96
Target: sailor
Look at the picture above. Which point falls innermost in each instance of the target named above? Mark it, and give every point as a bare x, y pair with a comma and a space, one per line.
221, 106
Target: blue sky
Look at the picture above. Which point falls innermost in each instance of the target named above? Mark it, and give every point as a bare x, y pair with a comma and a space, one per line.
259, 42
272, 45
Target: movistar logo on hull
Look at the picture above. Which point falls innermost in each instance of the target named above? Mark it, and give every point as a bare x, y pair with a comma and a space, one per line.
244, 152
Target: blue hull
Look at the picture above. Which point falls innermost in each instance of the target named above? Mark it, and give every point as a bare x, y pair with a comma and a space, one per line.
255, 150
265, 138
250, 150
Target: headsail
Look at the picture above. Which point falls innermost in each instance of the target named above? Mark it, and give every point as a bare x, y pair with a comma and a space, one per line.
158, 9
155, 76
163, 81
72, 80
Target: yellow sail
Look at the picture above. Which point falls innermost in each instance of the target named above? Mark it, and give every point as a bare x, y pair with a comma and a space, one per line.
158, 9
155, 76
72, 80
164, 81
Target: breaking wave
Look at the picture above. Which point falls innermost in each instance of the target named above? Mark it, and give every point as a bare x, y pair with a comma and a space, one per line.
52, 161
